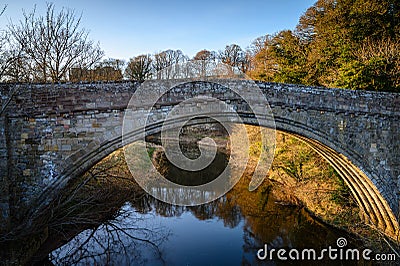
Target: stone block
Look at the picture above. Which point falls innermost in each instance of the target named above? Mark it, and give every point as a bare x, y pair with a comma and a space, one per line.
66, 148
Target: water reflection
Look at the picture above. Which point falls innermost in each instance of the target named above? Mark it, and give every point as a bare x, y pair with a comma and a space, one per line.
129, 239
218, 233
227, 231
194, 178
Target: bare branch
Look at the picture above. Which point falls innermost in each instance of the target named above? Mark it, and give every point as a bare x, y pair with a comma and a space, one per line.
54, 43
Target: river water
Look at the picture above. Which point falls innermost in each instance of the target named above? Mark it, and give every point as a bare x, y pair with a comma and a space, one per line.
205, 235
228, 231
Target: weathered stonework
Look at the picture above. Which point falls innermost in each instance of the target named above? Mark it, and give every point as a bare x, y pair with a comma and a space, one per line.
51, 133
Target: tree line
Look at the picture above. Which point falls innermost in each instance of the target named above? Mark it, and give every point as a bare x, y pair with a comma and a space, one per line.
53, 48
350, 44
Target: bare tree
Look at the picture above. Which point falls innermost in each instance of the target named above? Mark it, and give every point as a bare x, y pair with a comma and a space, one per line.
164, 60
206, 59
6, 54
205, 55
16, 67
160, 62
55, 43
6, 58
117, 64
139, 68
232, 55
258, 44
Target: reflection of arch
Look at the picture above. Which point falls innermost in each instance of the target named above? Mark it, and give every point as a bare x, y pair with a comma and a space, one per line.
375, 208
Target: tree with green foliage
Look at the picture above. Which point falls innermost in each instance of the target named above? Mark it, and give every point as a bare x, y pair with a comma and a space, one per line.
353, 43
338, 43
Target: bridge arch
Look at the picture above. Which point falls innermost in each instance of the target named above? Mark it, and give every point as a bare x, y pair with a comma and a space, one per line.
374, 208
76, 125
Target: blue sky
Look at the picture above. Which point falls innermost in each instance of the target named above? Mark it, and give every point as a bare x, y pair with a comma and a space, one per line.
128, 28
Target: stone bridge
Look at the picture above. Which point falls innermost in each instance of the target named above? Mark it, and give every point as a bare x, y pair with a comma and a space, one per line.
53, 133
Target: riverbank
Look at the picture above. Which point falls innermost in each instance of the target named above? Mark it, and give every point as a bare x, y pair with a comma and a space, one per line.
301, 177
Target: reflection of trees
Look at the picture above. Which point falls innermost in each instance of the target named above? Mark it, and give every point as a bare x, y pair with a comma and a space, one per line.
229, 212
117, 242
189, 178
167, 210
221, 208
96, 196
90, 207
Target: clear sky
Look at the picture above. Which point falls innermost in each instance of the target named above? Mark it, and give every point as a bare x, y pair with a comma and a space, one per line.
128, 28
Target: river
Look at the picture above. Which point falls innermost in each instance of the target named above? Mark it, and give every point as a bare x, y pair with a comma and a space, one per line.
228, 231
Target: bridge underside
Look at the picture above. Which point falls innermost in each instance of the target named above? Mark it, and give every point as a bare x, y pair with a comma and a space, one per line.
374, 208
